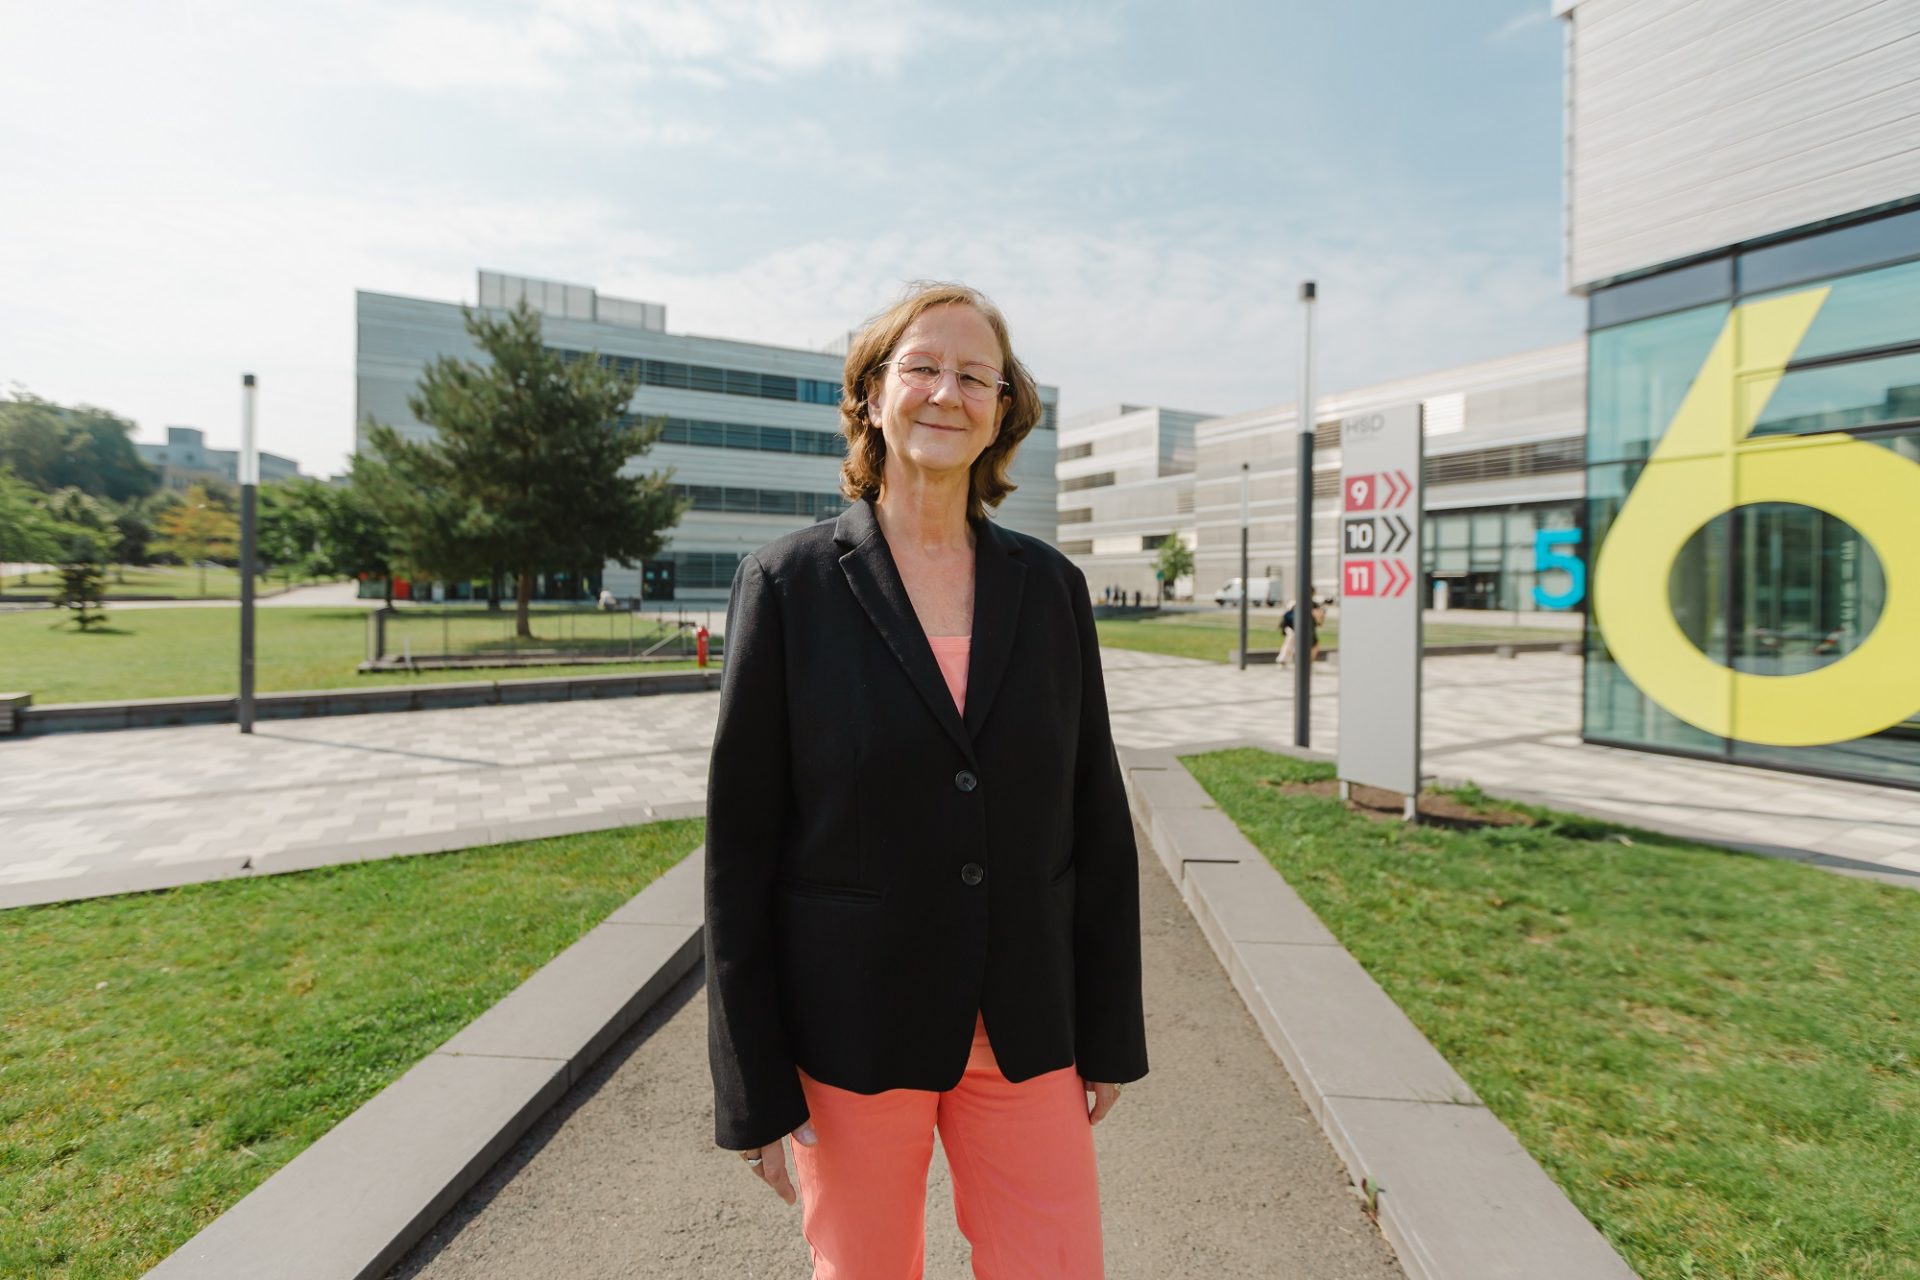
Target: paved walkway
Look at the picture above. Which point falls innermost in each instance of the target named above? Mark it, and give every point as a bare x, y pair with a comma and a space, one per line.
80, 811
1211, 1166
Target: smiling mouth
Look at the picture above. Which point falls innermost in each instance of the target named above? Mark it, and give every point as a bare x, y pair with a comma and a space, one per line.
940, 426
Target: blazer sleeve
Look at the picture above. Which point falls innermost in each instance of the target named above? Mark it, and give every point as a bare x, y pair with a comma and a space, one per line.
1110, 1035
756, 1089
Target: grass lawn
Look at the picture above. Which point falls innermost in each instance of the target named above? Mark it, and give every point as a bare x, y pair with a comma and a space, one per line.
1717, 1056
164, 1053
1213, 635
222, 583
163, 653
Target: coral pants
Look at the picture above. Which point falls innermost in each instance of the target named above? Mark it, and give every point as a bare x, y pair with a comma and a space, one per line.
1025, 1189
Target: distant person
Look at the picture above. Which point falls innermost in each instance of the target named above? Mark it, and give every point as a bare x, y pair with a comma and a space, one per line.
1288, 629
607, 603
922, 893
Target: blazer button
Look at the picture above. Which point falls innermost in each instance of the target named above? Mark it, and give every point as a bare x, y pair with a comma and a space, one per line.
966, 782
973, 873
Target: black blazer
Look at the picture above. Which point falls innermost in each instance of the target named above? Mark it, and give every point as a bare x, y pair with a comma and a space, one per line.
878, 868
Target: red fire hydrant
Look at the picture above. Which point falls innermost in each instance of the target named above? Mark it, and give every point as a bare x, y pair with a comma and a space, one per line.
700, 645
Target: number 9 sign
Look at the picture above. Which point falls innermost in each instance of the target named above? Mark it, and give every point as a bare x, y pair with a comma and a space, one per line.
1706, 464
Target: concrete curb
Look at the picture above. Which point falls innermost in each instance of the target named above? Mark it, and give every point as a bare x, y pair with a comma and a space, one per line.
152, 713
307, 857
352, 1204
1459, 1198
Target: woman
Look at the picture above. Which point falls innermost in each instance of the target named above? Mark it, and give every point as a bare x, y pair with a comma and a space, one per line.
922, 893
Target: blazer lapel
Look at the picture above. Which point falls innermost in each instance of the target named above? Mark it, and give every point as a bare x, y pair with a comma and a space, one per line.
876, 584
999, 583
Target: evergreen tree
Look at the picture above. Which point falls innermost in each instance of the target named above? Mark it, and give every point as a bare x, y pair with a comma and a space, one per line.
527, 469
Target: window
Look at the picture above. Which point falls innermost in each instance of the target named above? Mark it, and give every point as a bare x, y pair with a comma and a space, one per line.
784, 502
1099, 480
1077, 548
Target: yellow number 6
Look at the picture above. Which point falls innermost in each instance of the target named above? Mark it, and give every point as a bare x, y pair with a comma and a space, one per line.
1688, 481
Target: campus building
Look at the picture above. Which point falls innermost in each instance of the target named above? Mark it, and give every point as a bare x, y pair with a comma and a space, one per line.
1125, 488
1743, 220
752, 431
185, 460
1504, 457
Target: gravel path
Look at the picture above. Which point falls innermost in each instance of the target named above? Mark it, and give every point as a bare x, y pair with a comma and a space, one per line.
1210, 1167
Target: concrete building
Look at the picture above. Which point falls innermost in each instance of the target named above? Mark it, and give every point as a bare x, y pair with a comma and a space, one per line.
1503, 441
1126, 486
1743, 219
752, 430
185, 460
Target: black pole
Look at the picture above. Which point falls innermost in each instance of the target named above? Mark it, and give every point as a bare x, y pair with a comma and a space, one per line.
249, 484
1303, 630
1245, 584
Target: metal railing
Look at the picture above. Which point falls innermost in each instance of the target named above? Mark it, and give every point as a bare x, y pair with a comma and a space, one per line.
416, 638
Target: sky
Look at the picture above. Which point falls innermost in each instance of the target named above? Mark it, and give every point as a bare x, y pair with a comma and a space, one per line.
196, 189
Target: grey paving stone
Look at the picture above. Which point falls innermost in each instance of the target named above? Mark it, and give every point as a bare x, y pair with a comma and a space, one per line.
584, 998
1337, 1031
1461, 1200
1248, 901
678, 897
1197, 835
345, 1207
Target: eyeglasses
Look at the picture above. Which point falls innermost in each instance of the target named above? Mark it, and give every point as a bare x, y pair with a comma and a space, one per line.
922, 372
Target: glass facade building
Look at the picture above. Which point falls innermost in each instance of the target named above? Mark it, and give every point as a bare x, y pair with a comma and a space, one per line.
1753, 504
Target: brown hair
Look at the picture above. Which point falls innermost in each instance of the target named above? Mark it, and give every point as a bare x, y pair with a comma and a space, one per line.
865, 463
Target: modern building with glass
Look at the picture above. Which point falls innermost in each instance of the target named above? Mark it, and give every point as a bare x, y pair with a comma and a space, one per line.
185, 460
1747, 238
751, 430
1125, 477
1503, 463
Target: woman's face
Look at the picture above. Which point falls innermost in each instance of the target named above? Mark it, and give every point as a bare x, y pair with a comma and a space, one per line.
939, 430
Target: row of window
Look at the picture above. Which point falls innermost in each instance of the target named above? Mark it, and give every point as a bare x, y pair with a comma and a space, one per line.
701, 377
764, 502
747, 435
702, 570
734, 382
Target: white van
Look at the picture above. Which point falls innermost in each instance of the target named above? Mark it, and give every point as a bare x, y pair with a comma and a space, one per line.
1260, 591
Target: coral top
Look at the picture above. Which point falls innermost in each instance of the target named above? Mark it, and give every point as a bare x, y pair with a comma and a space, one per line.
951, 653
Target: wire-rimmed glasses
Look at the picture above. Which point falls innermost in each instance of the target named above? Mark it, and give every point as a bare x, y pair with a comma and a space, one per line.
919, 370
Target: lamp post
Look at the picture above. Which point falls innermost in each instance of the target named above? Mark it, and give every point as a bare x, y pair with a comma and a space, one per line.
1303, 637
1243, 566
249, 492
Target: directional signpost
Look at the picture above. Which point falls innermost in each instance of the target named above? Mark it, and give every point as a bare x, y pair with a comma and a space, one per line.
1380, 601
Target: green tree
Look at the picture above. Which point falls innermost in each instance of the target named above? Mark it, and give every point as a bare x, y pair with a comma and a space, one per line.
527, 469
291, 514
53, 447
355, 538
197, 529
1174, 563
27, 533
83, 532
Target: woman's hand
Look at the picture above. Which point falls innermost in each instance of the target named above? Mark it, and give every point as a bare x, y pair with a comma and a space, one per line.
1104, 1096
769, 1163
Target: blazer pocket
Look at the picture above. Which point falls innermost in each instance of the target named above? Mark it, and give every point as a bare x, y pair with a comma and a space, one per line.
818, 891
1063, 877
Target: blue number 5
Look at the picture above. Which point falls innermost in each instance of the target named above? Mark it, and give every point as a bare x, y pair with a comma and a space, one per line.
1547, 555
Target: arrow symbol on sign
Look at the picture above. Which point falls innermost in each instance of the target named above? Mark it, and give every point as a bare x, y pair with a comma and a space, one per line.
1398, 535
1397, 578
1403, 488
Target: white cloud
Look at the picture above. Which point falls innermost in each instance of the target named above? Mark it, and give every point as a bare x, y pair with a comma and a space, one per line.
1534, 15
